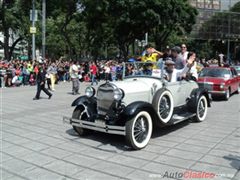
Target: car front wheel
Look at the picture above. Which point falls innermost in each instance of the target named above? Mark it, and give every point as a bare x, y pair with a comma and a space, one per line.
139, 130
227, 95
202, 106
80, 113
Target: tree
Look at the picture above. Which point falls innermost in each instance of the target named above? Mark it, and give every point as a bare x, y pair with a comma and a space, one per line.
130, 20
176, 17
10, 21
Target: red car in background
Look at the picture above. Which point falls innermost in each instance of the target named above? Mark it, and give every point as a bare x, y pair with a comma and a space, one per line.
220, 81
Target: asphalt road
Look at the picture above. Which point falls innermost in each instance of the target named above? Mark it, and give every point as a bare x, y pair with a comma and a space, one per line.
35, 144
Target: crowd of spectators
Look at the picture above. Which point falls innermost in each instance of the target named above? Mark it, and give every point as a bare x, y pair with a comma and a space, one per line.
24, 73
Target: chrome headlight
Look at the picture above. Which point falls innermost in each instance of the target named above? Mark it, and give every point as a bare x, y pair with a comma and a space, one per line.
118, 94
90, 91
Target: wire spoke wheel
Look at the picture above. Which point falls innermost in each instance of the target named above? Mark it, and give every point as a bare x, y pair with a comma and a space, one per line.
164, 106
202, 106
80, 113
139, 130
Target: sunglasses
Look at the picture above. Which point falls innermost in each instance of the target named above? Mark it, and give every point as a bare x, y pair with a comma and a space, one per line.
183, 47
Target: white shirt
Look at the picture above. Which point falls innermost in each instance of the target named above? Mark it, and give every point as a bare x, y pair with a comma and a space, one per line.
184, 56
177, 73
107, 69
193, 70
74, 71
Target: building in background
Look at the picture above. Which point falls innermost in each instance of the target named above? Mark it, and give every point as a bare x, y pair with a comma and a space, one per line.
216, 23
206, 9
218, 28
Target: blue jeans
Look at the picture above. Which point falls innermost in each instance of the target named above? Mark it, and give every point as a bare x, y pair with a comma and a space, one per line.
66, 76
94, 79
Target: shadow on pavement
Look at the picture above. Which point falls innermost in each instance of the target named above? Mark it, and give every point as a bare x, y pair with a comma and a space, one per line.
234, 161
168, 129
221, 98
118, 141
104, 139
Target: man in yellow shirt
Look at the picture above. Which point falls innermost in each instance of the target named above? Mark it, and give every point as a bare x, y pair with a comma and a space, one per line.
150, 54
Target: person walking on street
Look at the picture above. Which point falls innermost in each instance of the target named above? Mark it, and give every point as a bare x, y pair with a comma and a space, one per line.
52, 70
41, 83
93, 70
74, 77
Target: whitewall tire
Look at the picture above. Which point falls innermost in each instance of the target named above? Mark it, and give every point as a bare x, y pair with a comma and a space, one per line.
163, 104
139, 130
202, 107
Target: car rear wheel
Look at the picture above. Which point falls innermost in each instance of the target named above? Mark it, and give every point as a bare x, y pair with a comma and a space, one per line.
163, 104
139, 130
227, 94
202, 106
80, 113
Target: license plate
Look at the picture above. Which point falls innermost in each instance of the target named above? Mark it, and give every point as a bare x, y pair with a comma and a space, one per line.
99, 122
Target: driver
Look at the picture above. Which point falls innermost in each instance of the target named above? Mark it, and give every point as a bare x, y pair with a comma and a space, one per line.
172, 74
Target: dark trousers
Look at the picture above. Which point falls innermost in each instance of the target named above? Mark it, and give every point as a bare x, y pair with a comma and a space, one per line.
75, 85
41, 87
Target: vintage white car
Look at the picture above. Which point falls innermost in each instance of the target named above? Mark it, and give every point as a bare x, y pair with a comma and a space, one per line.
141, 101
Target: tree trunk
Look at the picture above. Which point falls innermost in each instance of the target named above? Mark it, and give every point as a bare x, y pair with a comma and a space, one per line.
6, 44
13, 46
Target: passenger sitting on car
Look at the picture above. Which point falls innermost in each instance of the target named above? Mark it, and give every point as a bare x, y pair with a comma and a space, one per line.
172, 74
192, 73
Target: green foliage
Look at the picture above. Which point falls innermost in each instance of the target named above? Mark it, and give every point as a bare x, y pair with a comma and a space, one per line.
80, 28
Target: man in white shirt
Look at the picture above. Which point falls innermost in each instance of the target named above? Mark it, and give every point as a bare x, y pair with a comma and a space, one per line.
73, 71
172, 74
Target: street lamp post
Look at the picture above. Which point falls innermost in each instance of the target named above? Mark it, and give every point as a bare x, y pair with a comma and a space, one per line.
33, 25
229, 29
43, 28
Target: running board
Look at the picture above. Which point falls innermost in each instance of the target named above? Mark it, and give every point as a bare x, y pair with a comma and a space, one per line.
176, 118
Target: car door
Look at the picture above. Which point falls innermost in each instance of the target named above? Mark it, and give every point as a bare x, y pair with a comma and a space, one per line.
181, 90
175, 89
235, 83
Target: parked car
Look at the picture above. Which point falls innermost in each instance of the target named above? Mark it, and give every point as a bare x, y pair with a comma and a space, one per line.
134, 106
220, 81
237, 68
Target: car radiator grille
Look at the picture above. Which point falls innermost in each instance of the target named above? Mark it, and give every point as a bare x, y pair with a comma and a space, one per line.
208, 86
105, 98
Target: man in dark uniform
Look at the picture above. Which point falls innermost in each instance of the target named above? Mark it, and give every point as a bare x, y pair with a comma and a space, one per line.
41, 83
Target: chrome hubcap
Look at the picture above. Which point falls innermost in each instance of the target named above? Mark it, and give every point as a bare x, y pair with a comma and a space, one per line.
140, 129
164, 107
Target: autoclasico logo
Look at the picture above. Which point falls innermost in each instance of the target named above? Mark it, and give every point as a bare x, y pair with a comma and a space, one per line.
185, 175
189, 175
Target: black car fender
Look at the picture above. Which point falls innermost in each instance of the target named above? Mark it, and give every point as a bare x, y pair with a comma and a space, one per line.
195, 95
134, 108
89, 103
84, 100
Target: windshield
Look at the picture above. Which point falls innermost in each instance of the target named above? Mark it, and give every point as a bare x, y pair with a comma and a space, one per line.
142, 69
215, 72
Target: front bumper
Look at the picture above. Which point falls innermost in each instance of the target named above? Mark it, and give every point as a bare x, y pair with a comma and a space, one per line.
97, 125
217, 92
